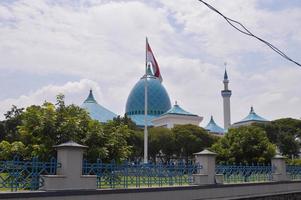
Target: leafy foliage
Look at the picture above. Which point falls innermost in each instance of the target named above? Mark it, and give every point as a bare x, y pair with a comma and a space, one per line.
39, 128
34, 131
246, 145
165, 144
285, 133
9, 127
190, 139
161, 143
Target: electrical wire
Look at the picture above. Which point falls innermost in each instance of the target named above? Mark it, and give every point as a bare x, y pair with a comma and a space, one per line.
241, 28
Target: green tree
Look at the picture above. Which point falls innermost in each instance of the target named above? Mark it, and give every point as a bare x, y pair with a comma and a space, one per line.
9, 150
38, 129
190, 139
246, 145
125, 121
8, 127
5, 150
47, 125
161, 143
95, 139
17, 148
136, 141
285, 133
116, 142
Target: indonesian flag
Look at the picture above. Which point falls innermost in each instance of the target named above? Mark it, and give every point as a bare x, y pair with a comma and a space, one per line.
150, 58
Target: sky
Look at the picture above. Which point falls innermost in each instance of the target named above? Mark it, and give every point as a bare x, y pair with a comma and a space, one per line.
49, 47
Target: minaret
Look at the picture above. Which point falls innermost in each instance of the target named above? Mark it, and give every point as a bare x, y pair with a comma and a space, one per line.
226, 94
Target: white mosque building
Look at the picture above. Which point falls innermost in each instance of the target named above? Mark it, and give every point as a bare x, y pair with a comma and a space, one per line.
160, 113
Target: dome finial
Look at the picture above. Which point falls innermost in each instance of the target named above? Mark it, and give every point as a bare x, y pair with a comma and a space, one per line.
252, 109
225, 74
90, 98
149, 71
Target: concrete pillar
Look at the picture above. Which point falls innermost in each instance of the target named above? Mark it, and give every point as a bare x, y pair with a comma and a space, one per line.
279, 168
206, 173
69, 175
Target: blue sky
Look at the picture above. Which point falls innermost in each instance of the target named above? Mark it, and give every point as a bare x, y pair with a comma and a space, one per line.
49, 47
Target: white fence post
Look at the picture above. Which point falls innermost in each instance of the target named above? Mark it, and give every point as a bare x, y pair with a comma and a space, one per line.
69, 175
206, 174
279, 168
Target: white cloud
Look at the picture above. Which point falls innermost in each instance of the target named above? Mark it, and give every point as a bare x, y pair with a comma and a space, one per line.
75, 92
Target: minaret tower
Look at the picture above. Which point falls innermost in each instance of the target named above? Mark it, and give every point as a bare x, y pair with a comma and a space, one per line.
226, 94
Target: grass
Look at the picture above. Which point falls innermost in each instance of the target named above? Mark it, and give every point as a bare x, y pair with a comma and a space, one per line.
237, 178
142, 181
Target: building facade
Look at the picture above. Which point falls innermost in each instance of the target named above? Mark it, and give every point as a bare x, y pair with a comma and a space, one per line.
176, 116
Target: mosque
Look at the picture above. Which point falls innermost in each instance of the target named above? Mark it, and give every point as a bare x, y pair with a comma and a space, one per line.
161, 113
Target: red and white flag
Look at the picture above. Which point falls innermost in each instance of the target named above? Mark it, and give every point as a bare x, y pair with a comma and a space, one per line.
150, 58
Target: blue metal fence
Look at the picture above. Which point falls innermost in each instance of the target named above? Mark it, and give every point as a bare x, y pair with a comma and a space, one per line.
19, 174
136, 175
26, 174
244, 173
293, 172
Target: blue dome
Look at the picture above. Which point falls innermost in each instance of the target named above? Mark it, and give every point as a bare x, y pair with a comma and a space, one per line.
158, 100
212, 127
177, 110
252, 117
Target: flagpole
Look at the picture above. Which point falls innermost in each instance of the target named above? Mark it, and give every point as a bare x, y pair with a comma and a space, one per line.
145, 109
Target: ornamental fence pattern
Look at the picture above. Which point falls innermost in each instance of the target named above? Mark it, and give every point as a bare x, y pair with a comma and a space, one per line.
137, 175
19, 174
245, 173
293, 172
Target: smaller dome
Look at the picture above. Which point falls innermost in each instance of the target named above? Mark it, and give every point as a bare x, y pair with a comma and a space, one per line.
252, 117
177, 110
97, 111
212, 127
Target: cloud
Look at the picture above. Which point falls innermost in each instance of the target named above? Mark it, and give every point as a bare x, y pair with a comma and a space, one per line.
75, 92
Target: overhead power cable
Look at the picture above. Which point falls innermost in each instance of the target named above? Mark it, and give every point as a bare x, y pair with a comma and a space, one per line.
241, 28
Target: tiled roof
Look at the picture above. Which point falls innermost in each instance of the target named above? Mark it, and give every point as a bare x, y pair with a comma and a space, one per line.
97, 111
213, 127
252, 116
177, 110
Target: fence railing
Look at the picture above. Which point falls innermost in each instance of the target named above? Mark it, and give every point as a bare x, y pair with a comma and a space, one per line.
136, 175
244, 173
19, 174
293, 172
